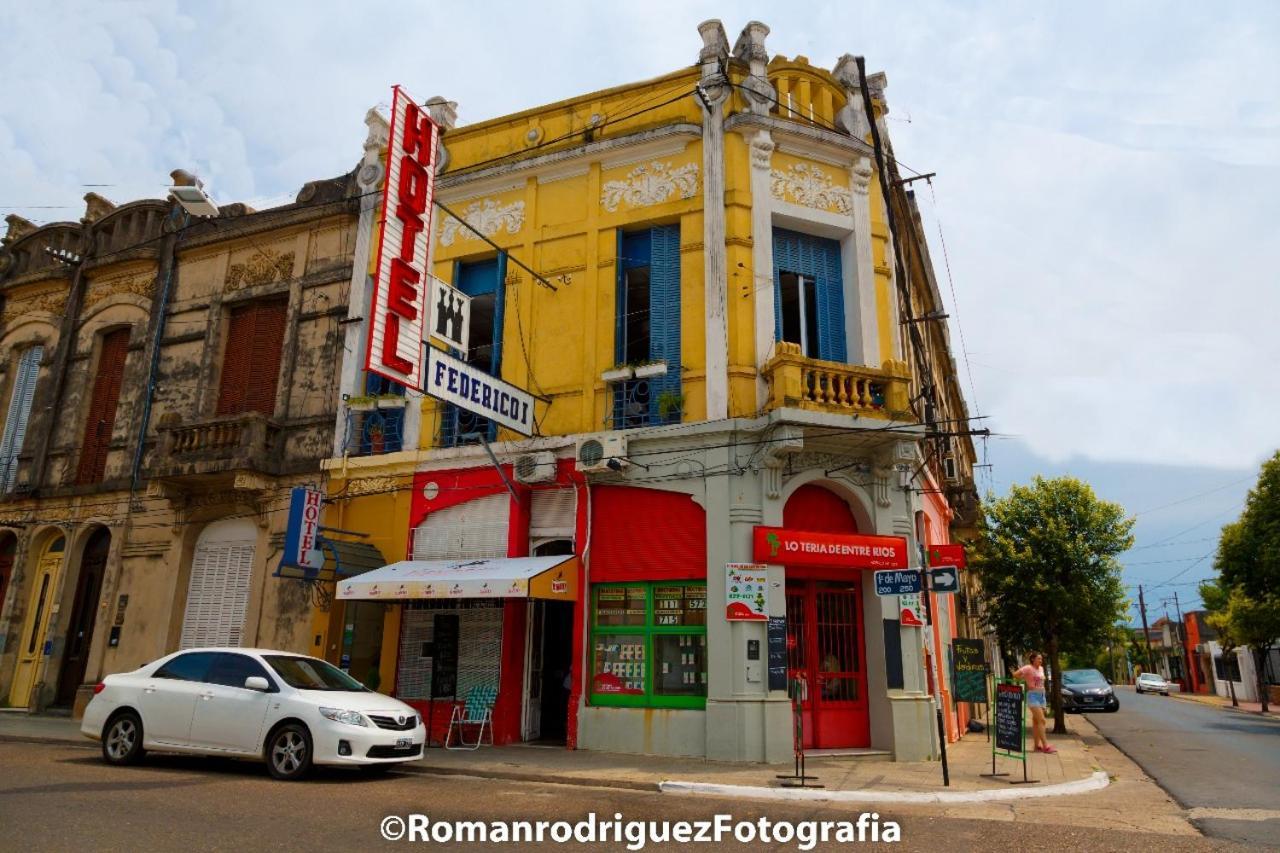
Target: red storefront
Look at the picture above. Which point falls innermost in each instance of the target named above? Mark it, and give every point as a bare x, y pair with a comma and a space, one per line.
825, 558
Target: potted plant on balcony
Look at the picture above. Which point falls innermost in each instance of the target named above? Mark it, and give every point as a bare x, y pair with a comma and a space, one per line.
670, 403
618, 373
650, 369
361, 404
390, 401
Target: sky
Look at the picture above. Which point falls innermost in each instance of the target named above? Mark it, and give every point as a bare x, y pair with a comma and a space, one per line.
1103, 216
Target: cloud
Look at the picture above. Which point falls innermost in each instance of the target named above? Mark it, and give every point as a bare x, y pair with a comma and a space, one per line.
1107, 175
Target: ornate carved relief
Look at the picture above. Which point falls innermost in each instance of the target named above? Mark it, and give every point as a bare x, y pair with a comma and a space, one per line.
810, 186
267, 266
50, 301
371, 485
143, 285
862, 176
650, 184
762, 150
487, 216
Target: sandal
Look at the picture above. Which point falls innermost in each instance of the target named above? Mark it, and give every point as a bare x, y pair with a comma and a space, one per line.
1049, 750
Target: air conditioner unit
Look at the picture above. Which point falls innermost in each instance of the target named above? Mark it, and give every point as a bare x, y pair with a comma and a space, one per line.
596, 452
950, 469
535, 467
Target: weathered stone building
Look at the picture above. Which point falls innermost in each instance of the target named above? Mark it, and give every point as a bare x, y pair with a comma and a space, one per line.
164, 381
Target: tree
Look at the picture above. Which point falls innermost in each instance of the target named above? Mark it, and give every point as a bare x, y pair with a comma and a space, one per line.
1215, 599
1249, 551
1046, 559
1255, 623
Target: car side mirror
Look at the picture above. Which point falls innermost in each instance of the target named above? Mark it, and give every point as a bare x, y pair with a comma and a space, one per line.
1109, 681
257, 682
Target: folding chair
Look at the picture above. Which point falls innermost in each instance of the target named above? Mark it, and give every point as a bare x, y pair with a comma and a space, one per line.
476, 710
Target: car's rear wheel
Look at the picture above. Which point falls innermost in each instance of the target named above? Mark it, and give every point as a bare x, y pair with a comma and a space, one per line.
122, 739
289, 752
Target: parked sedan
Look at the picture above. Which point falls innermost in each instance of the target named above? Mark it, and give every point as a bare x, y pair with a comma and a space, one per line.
1151, 682
1087, 690
289, 710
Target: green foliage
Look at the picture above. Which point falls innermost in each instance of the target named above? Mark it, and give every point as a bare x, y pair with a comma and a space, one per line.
1249, 551
1047, 562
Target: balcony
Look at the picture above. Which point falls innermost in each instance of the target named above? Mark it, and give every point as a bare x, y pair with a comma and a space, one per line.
243, 442
798, 382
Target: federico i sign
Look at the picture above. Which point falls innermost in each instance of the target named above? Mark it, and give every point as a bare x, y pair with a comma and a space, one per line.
454, 381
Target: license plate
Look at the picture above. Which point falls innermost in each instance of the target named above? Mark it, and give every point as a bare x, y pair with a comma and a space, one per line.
404, 743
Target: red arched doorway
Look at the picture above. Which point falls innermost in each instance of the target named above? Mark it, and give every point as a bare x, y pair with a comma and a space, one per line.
8, 547
825, 635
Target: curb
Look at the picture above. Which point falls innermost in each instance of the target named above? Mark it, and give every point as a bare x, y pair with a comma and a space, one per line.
1095, 782
1226, 706
542, 778
57, 741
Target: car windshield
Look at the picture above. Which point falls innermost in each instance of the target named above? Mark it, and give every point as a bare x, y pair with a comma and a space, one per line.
1083, 676
311, 674
1150, 676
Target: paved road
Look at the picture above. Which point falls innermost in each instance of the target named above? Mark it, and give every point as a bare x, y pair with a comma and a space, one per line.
61, 798
1212, 761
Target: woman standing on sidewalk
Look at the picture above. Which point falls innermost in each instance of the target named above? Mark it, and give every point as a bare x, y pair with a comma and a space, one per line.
1033, 675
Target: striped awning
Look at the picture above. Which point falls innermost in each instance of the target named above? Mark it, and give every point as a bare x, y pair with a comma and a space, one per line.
552, 578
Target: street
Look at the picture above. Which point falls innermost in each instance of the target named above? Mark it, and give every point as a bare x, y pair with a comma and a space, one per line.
1207, 758
56, 797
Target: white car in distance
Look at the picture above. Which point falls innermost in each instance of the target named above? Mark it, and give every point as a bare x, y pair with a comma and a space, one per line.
1151, 682
290, 710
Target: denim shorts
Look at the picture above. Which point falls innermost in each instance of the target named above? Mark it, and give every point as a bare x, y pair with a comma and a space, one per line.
1035, 699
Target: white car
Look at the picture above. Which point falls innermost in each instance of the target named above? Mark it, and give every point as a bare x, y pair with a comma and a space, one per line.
290, 710
1151, 682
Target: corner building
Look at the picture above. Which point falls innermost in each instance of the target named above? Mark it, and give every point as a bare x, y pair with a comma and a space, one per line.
725, 345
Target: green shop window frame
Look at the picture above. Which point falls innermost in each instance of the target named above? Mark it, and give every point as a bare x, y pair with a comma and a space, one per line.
646, 633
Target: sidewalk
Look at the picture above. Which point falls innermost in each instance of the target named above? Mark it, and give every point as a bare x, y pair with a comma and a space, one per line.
1130, 800
967, 760
1223, 702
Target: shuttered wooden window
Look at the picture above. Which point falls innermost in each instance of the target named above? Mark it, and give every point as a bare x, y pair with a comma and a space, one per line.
101, 419
15, 424
218, 591
817, 261
251, 361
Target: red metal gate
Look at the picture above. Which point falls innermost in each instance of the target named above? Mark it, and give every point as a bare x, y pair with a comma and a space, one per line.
825, 645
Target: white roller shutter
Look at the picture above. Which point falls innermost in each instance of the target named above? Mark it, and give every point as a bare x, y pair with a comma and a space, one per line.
552, 514
476, 528
218, 594
15, 424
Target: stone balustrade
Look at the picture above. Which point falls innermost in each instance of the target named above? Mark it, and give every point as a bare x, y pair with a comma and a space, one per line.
829, 386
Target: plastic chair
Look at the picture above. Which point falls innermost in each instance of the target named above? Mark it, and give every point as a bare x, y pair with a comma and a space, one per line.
476, 710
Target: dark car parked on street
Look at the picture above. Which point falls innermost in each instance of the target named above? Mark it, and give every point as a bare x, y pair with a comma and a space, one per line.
1087, 690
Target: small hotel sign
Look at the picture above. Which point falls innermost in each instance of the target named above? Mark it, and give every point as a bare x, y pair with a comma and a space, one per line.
834, 550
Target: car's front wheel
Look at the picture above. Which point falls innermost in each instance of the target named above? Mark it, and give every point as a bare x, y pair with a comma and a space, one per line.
289, 752
122, 739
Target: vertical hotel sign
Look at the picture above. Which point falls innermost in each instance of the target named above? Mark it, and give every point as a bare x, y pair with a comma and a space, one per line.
396, 329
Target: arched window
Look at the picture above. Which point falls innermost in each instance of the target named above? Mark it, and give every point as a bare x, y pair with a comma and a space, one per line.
19, 410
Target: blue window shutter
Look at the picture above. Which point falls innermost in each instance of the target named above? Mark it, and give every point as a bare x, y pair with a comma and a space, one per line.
830, 299
15, 427
664, 312
620, 300
818, 260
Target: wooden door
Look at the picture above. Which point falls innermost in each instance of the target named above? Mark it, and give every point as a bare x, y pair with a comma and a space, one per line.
75, 658
35, 626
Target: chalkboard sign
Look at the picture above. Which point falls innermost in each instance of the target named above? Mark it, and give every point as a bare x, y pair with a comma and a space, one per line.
969, 670
444, 662
1009, 720
777, 653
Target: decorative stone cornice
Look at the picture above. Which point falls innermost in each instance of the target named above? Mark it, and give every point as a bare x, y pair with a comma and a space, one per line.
486, 216
810, 186
650, 184
138, 284
761, 149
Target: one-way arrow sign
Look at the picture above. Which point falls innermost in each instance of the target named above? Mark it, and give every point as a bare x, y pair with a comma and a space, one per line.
944, 579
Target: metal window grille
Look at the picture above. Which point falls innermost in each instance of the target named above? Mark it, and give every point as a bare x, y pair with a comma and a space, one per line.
474, 529
218, 591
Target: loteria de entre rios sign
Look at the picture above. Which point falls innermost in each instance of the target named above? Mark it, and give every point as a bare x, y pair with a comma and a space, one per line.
780, 546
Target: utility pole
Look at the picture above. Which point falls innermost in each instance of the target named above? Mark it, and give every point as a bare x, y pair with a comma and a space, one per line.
1182, 640
1146, 632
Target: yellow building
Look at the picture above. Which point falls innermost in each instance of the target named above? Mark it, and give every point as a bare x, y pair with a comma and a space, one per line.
727, 335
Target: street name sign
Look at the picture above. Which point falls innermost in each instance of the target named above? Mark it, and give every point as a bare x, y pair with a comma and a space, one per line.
944, 579
897, 582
